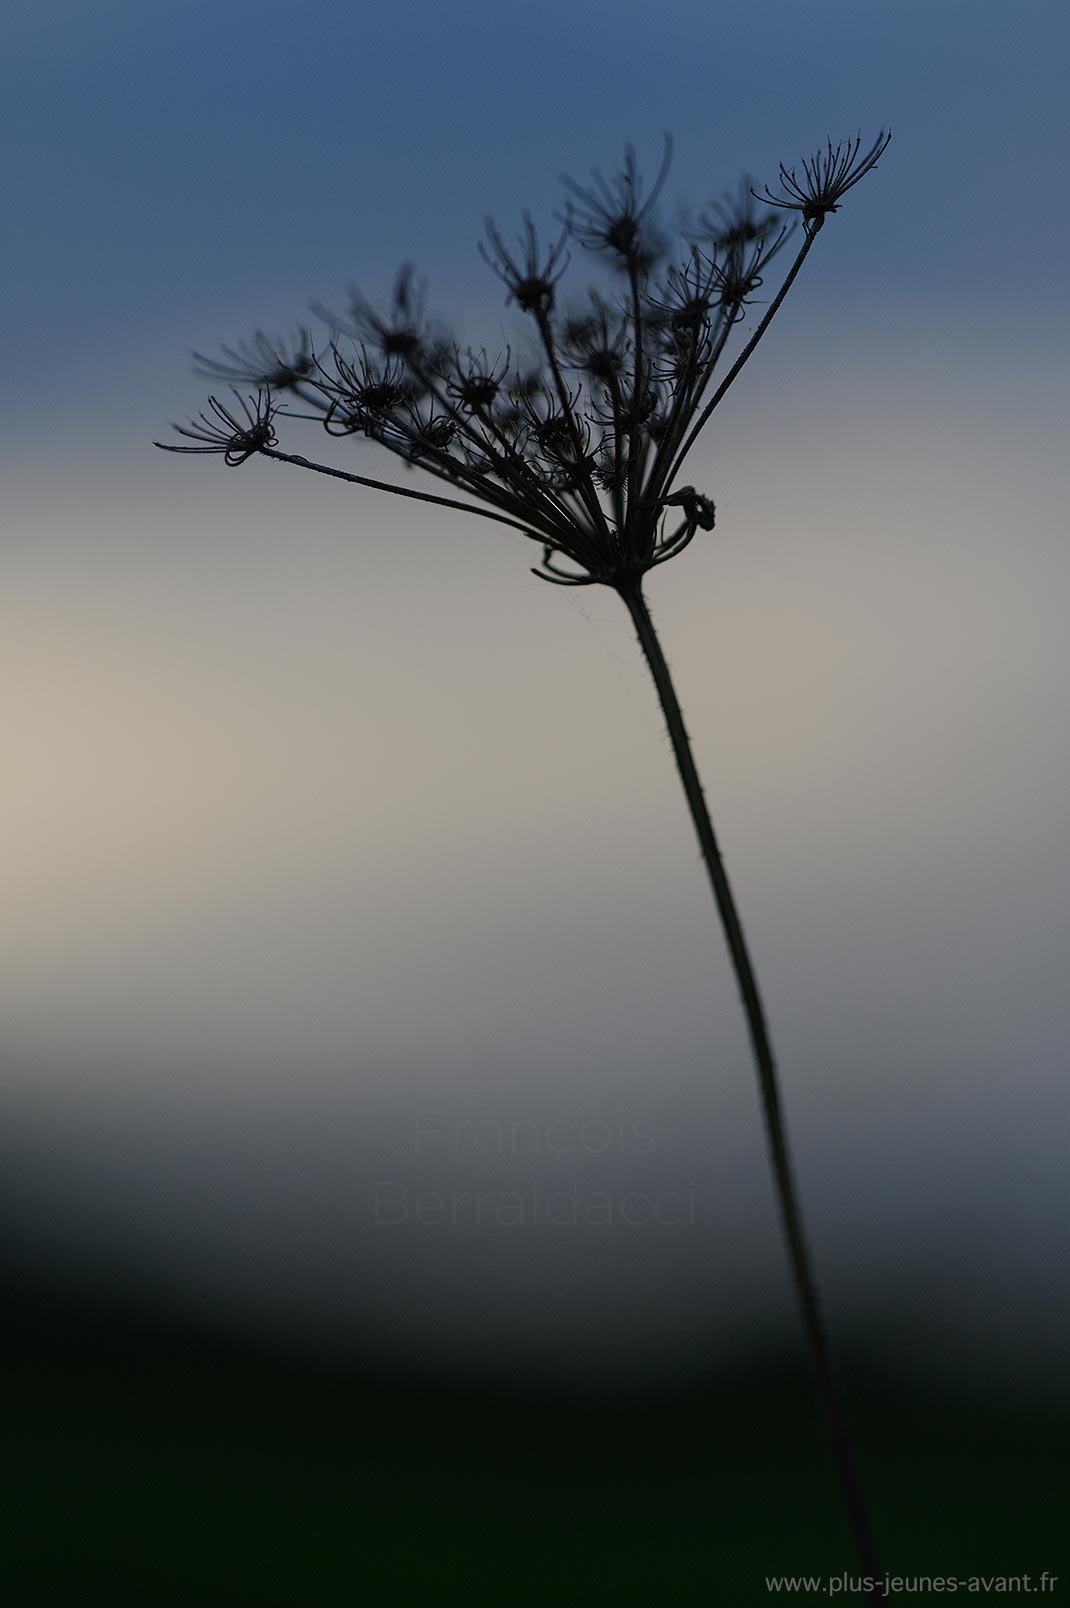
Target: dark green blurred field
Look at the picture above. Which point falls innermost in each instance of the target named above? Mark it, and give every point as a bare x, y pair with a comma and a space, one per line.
150, 1460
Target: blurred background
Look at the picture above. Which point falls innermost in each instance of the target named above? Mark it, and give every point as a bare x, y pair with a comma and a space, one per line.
345, 871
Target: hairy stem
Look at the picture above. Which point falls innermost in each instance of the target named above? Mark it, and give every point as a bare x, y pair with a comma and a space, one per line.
791, 1217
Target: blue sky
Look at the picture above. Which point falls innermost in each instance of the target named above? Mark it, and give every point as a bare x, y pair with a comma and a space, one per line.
184, 171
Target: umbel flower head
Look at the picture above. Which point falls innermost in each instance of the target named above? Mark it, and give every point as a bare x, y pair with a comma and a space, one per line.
580, 443
260, 361
826, 178
233, 433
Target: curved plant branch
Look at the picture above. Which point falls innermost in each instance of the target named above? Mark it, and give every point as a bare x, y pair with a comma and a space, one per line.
802, 1267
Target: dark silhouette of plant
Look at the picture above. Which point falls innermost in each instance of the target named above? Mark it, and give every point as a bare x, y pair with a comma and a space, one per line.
580, 447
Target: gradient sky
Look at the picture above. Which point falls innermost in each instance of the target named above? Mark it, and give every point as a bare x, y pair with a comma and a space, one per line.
321, 811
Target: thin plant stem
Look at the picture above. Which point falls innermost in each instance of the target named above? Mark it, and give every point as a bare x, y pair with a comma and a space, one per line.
382, 485
802, 1267
767, 319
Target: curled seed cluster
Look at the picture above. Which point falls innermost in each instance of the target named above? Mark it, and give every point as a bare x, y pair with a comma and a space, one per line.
579, 445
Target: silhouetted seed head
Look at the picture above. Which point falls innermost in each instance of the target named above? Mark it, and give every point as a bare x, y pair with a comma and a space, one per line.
603, 362
476, 384
735, 221
432, 436
399, 343
826, 178
728, 283
596, 343
225, 433
362, 393
580, 445
531, 279
684, 311
610, 216
261, 362
563, 450
401, 332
